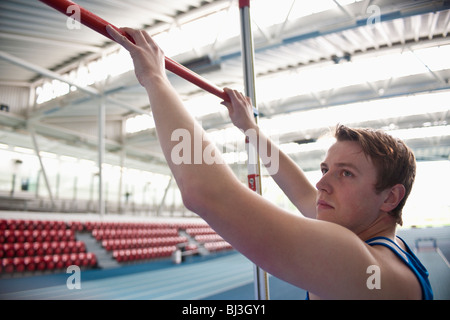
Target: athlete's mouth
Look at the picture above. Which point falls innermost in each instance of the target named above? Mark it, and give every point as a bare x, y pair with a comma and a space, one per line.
322, 204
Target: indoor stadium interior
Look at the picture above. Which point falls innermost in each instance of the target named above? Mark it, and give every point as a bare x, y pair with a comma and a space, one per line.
85, 187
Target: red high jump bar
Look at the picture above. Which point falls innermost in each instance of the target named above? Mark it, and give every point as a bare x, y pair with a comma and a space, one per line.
98, 24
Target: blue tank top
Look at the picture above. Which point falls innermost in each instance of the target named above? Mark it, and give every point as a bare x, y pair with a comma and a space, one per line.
410, 259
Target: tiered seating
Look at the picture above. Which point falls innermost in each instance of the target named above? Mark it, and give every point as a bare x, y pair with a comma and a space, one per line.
209, 238
101, 234
203, 238
200, 230
190, 249
28, 245
136, 241
127, 255
218, 246
32, 245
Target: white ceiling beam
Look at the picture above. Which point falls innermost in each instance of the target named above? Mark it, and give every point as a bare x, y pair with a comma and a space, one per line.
151, 14
54, 75
446, 24
43, 71
49, 42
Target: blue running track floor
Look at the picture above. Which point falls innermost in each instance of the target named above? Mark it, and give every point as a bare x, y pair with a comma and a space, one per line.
225, 277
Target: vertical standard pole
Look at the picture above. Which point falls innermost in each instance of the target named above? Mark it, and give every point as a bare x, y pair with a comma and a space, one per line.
101, 151
119, 199
254, 177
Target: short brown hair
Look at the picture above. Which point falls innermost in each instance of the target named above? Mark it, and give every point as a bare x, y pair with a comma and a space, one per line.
393, 159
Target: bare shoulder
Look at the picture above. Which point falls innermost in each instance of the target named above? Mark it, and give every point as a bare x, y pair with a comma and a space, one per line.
396, 279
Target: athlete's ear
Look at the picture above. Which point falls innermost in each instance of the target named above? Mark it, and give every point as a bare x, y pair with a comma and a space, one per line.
394, 195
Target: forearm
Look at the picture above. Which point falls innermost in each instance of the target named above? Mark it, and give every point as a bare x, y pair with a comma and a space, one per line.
285, 172
193, 159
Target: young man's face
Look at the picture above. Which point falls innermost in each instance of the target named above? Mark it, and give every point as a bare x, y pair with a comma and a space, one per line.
346, 191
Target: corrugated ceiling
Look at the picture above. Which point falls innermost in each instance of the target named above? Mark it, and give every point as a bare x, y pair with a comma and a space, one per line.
34, 37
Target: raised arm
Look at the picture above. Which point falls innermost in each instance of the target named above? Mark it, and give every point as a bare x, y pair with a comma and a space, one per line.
286, 173
322, 257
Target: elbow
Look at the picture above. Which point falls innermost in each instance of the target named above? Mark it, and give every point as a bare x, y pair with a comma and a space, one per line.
201, 198
193, 196
189, 201
203, 195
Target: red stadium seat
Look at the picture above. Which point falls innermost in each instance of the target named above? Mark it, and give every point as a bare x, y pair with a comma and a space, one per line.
29, 250
56, 247
46, 236
3, 224
92, 259
12, 224
49, 263
64, 247
75, 225
29, 225
38, 225
9, 236
8, 265
20, 225
70, 245
19, 249
131, 253
84, 261
28, 234
81, 257
37, 235
65, 258
80, 246
60, 235
54, 234
47, 248
117, 256
107, 245
9, 250
58, 261
69, 235
38, 249
75, 259
29, 263
147, 252
40, 263
47, 225
19, 236
19, 265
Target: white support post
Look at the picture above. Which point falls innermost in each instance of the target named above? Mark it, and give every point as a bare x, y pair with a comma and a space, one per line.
254, 176
44, 173
101, 151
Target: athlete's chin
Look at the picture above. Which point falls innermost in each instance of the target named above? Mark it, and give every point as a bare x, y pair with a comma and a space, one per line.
326, 216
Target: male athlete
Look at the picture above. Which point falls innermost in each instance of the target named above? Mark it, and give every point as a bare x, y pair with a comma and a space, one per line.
348, 224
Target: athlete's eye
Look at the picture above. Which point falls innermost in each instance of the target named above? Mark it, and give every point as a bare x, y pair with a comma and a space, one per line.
347, 173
